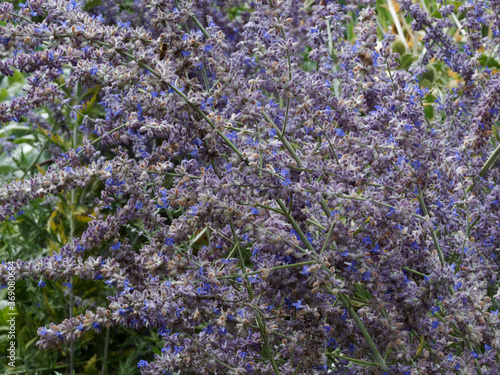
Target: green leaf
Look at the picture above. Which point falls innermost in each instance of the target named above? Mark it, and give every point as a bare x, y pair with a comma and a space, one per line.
430, 99
156, 351
90, 366
237, 11
24, 154
6, 165
17, 77
3, 94
30, 138
88, 105
495, 128
14, 126
437, 14
490, 62
384, 15
405, 61
91, 4
429, 111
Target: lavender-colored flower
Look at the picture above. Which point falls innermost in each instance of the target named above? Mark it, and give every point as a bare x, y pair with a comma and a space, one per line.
275, 178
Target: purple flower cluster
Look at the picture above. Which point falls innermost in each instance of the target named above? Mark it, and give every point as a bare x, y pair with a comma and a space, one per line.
344, 227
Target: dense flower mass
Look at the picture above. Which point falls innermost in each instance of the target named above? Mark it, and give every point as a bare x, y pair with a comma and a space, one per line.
317, 193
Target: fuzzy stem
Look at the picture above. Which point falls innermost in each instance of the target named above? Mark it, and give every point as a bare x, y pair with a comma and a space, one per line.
104, 368
235, 275
433, 232
260, 321
345, 301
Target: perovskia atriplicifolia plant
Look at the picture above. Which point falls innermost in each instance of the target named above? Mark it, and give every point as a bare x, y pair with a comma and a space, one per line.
315, 194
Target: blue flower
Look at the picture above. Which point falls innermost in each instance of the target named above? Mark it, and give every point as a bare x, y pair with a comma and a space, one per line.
142, 363
332, 343
40, 29
352, 266
140, 117
305, 271
435, 324
93, 71
309, 237
41, 284
178, 312
127, 287
203, 291
116, 246
272, 133
164, 331
169, 242
194, 210
298, 304
125, 25
294, 233
392, 140
178, 349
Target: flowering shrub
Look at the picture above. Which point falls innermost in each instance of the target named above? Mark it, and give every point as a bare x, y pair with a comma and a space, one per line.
315, 194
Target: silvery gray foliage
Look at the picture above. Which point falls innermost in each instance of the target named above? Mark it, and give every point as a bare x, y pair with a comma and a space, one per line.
349, 232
